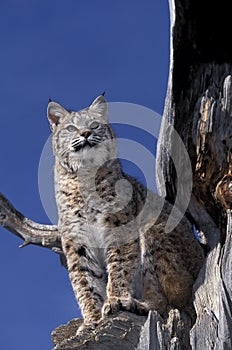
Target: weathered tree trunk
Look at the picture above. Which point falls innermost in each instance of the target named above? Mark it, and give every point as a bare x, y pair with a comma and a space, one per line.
199, 107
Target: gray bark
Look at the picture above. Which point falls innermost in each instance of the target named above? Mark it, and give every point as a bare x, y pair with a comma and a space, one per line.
199, 106
126, 331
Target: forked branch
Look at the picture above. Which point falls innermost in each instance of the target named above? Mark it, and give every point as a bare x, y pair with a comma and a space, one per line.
31, 232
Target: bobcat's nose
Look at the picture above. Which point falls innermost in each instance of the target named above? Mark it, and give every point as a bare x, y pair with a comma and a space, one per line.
86, 134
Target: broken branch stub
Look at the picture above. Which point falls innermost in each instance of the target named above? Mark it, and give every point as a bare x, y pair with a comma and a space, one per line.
31, 232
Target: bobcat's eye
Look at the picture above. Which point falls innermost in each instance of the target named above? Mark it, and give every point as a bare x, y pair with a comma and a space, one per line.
94, 125
71, 128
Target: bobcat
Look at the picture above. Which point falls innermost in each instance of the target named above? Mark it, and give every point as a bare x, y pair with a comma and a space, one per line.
119, 256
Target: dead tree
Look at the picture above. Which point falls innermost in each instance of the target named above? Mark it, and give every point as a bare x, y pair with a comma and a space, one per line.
199, 107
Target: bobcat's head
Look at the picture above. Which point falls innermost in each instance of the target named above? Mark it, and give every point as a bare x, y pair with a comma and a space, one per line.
82, 139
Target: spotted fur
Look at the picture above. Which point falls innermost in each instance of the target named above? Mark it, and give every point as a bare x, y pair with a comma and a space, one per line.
119, 255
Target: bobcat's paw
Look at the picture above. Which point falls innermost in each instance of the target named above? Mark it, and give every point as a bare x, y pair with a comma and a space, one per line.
159, 305
114, 305
86, 328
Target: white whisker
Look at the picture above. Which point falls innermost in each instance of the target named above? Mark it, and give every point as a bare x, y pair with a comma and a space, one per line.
76, 142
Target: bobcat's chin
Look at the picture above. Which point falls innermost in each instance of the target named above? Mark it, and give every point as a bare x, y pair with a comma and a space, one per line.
84, 160
82, 148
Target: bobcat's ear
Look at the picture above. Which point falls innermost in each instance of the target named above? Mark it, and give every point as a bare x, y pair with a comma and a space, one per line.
55, 112
99, 108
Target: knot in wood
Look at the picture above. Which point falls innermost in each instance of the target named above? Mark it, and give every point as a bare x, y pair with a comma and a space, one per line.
223, 191
3, 218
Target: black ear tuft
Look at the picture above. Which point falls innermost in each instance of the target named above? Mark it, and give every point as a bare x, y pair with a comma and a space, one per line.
49, 100
103, 94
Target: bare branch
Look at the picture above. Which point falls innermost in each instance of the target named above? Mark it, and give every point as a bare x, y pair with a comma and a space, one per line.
31, 232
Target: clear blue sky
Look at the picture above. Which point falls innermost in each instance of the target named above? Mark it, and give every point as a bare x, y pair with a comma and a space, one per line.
70, 51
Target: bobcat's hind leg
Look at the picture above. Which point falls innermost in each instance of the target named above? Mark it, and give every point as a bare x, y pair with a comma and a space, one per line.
153, 295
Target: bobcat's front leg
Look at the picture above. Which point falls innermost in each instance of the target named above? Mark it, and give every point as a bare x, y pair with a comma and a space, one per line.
88, 282
124, 273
